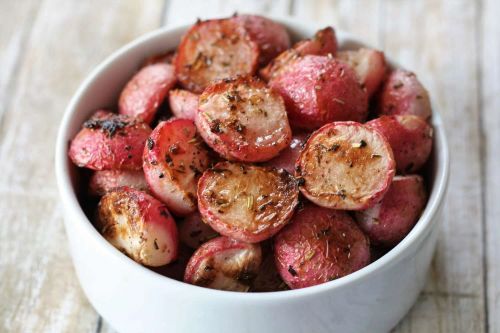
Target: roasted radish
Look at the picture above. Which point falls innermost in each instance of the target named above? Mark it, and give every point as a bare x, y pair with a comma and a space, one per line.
288, 156
410, 138
109, 141
324, 43
368, 64
101, 182
144, 93
345, 165
390, 220
193, 231
213, 50
243, 120
319, 245
138, 225
174, 158
183, 104
402, 93
224, 263
246, 202
271, 37
318, 90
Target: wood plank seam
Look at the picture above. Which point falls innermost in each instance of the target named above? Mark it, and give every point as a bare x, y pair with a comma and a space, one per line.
5, 104
483, 155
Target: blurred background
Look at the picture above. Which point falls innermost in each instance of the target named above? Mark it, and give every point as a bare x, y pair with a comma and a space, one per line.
47, 47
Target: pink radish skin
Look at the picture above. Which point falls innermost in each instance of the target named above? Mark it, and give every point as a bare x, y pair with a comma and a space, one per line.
319, 245
147, 89
318, 90
410, 138
174, 159
402, 93
368, 64
389, 221
322, 43
288, 156
272, 38
109, 141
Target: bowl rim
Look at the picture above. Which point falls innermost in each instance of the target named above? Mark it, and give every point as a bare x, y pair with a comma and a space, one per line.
70, 202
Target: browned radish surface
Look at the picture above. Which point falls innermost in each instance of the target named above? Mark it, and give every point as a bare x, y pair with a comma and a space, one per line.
224, 263
213, 50
246, 202
243, 120
138, 225
345, 165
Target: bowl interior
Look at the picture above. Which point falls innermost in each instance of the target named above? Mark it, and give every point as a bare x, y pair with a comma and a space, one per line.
101, 90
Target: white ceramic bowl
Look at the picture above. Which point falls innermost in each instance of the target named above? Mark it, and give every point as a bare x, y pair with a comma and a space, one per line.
133, 298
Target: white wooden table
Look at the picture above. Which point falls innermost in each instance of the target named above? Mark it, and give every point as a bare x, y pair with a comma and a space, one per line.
48, 46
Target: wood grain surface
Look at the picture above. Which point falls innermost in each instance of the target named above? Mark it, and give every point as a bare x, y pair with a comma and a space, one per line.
49, 46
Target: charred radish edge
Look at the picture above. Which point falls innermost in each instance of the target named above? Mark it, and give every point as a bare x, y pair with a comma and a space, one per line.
138, 225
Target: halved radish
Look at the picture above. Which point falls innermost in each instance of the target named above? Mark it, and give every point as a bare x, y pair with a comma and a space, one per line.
402, 93
109, 141
323, 43
410, 138
345, 165
101, 182
183, 103
246, 202
390, 220
271, 37
193, 231
243, 120
319, 245
174, 159
288, 156
147, 89
224, 263
318, 90
369, 65
213, 50
138, 225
